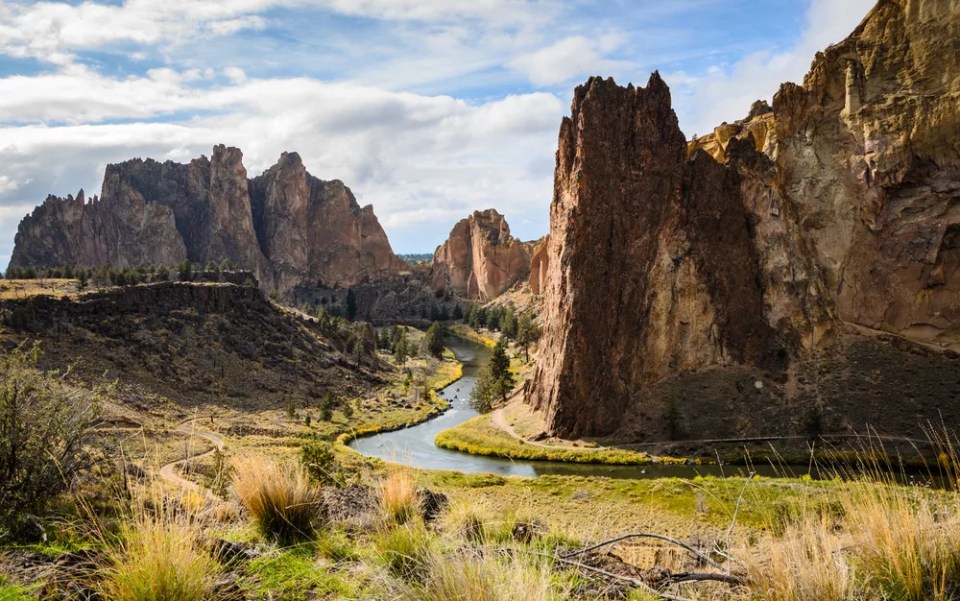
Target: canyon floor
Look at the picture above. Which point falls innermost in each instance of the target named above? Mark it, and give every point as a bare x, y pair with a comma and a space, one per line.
170, 460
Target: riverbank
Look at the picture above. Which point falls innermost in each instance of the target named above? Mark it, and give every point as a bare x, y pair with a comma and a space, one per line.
480, 436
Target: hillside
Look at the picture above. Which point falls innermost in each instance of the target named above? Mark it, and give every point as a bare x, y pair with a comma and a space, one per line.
193, 344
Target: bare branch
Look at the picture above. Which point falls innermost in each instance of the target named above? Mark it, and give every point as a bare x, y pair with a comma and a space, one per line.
696, 552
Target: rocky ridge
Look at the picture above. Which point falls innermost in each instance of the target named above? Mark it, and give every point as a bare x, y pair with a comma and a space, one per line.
738, 272
288, 227
480, 259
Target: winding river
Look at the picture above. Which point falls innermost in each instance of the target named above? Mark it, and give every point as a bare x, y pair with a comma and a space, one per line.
414, 446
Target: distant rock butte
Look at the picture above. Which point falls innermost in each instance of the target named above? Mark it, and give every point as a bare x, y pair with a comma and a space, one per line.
285, 225
480, 259
677, 275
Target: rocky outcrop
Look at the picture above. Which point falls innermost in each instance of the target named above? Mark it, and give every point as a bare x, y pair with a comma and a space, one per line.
539, 264
748, 255
288, 227
480, 259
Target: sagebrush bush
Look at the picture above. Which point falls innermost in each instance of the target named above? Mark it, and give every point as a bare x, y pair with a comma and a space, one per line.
284, 504
44, 427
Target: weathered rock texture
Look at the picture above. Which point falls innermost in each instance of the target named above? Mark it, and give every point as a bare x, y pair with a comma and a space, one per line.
539, 263
480, 259
287, 226
753, 252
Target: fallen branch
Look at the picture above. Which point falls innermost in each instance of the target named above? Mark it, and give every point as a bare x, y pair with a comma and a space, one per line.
633, 581
696, 552
681, 577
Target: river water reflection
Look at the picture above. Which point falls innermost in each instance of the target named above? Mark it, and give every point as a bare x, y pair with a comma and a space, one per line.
414, 446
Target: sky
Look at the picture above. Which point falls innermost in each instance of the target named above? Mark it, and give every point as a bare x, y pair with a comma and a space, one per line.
426, 109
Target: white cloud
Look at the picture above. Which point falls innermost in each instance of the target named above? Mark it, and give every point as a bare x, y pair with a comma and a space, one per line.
235, 74
567, 59
725, 92
54, 31
7, 184
419, 159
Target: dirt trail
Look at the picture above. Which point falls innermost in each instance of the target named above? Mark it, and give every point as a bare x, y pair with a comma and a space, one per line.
170, 473
499, 420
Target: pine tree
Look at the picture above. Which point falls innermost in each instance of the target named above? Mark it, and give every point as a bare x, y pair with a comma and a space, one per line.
528, 332
508, 327
433, 341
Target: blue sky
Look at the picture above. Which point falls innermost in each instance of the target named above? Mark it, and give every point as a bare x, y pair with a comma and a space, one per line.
427, 109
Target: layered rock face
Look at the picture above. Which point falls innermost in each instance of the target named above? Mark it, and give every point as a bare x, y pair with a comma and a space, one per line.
480, 259
287, 226
749, 255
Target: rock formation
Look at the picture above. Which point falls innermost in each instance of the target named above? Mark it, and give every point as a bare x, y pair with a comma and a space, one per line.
539, 263
480, 259
737, 275
285, 225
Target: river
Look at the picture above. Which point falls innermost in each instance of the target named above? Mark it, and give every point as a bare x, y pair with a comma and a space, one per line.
414, 446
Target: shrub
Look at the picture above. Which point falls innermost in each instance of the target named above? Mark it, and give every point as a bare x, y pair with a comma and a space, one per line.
160, 558
398, 497
44, 427
321, 462
284, 504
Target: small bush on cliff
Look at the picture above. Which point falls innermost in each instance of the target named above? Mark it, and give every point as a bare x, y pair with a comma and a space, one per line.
44, 427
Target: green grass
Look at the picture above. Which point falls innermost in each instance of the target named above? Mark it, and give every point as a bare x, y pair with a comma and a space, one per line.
479, 436
295, 574
12, 592
465, 331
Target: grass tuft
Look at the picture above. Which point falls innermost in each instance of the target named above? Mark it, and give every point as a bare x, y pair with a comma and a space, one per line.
160, 556
285, 506
405, 550
398, 497
466, 577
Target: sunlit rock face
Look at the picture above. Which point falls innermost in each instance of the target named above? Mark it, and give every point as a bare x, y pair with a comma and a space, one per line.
290, 228
480, 259
678, 275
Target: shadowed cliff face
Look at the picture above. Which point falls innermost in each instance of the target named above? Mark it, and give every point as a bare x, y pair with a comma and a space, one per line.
480, 259
752, 251
287, 226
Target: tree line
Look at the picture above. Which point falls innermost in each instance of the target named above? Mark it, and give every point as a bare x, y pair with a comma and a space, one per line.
110, 275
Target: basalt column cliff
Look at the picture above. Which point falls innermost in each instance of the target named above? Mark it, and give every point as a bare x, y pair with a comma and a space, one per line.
775, 275
290, 228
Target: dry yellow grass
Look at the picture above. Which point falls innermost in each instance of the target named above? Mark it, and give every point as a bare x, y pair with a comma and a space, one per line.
160, 556
14, 289
451, 577
889, 542
398, 497
283, 502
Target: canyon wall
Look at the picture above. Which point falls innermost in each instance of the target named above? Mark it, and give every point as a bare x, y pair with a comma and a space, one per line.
288, 227
748, 273
480, 259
